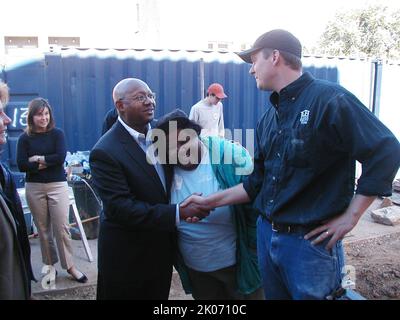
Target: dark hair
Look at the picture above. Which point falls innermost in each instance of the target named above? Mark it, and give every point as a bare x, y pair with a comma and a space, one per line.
182, 123
294, 62
34, 107
189, 124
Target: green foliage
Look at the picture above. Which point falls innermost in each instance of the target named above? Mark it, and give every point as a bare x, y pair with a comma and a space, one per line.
372, 32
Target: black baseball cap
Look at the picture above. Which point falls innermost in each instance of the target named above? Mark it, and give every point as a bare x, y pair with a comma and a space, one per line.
278, 39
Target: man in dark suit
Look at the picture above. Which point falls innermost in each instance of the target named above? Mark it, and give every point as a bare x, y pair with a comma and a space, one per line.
137, 229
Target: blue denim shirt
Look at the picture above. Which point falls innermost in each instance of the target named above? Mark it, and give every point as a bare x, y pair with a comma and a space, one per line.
306, 146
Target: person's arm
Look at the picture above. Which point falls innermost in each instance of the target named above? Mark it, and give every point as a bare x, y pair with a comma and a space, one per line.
221, 127
193, 115
241, 193
234, 195
23, 162
125, 208
338, 227
360, 134
241, 165
253, 182
357, 132
40, 160
57, 158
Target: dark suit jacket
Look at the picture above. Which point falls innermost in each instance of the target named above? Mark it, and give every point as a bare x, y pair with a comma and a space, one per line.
10, 195
137, 229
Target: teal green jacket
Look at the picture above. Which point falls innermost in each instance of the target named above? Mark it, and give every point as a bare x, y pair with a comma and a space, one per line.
230, 163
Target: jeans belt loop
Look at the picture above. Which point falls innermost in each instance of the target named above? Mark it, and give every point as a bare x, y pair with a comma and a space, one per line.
287, 230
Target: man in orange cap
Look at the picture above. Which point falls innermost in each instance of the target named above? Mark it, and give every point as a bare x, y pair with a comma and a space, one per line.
208, 112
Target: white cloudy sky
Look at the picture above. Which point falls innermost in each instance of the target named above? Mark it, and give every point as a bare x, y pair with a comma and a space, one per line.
185, 23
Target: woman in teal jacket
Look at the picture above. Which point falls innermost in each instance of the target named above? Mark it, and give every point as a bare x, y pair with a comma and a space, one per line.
230, 162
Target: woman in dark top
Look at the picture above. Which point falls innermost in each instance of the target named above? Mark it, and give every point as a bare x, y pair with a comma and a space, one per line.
41, 154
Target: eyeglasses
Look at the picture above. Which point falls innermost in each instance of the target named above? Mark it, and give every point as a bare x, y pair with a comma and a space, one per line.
142, 97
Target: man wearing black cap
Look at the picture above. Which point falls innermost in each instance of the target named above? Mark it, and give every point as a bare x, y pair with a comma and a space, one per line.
303, 180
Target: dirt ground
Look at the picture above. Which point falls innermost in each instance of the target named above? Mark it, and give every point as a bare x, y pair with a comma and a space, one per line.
377, 266
376, 262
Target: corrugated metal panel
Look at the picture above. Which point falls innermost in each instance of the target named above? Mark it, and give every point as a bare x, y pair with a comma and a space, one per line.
79, 83
389, 111
26, 80
88, 81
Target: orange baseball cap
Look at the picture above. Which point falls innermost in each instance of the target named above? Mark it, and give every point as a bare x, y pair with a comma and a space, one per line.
217, 90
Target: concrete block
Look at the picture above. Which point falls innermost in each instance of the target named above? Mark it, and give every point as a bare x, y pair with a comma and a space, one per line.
389, 215
395, 198
396, 185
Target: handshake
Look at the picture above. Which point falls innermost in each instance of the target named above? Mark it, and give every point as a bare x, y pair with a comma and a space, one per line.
195, 208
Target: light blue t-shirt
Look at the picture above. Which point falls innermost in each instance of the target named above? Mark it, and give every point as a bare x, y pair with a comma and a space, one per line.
209, 244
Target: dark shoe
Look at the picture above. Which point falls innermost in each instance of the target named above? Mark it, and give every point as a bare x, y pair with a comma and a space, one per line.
82, 279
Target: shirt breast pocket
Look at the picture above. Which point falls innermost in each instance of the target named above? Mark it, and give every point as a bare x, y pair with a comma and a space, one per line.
300, 147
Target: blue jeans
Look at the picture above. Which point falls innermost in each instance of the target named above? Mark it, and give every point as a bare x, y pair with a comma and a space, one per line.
293, 268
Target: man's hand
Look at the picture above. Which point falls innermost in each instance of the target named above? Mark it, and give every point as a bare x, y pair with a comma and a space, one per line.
195, 198
227, 197
338, 227
192, 210
38, 159
231, 196
33, 159
41, 159
42, 166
